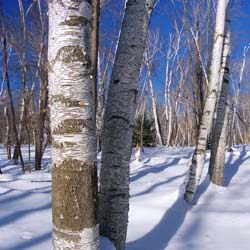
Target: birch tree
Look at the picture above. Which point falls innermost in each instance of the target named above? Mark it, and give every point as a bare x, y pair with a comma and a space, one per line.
153, 48
24, 80
199, 155
119, 122
72, 126
219, 133
43, 98
8, 141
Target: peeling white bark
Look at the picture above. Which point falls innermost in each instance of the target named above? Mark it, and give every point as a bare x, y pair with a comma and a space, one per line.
199, 155
70, 83
88, 239
154, 107
219, 134
72, 115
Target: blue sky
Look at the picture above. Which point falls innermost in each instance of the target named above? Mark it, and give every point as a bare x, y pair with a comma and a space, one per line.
162, 20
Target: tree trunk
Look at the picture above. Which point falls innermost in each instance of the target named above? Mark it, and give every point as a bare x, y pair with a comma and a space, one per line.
142, 125
41, 123
156, 119
95, 44
8, 141
43, 102
119, 122
24, 83
199, 155
219, 133
74, 175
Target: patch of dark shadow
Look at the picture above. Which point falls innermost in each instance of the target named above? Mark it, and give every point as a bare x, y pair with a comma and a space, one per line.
15, 197
231, 168
9, 219
76, 21
31, 243
150, 189
170, 222
154, 169
73, 126
116, 81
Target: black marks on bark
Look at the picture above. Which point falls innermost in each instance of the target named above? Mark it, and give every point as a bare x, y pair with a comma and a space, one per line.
118, 117
57, 145
74, 126
71, 54
76, 21
116, 81
200, 151
68, 102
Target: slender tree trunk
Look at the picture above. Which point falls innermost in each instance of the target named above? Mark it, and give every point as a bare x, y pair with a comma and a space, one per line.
24, 82
199, 155
119, 122
154, 107
142, 125
95, 44
39, 150
6, 77
8, 141
219, 133
168, 105
43, 101
74, 175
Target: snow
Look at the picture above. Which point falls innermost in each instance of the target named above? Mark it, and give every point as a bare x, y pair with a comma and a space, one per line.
158, 219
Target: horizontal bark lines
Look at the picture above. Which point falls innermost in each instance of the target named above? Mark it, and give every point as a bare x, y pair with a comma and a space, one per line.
199, 155
72, 112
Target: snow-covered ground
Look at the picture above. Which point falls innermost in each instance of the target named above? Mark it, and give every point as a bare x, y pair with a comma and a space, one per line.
158, 219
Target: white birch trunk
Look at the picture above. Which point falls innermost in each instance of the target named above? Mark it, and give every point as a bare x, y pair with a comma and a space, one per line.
100, 105
199, 155
119, 122
168, 104
24, 81
219, 133
72, 126
157, 125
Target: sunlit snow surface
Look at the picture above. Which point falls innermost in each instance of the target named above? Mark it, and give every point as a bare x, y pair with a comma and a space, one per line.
158, 219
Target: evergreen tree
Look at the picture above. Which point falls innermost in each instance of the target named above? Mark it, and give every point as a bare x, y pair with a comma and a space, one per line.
148, 132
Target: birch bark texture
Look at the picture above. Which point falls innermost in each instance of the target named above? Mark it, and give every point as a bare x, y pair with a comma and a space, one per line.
154, 108
119, 122
199, 155
219, 133
72, 125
